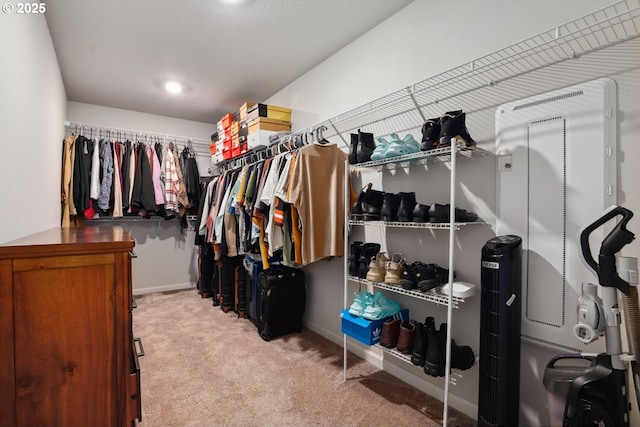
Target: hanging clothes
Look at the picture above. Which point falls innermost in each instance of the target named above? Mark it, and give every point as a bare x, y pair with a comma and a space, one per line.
82, 173
191, 177
183, 198
65, 191
106, 161
117, 182
143, 197
126, 175
317, 191
171, 183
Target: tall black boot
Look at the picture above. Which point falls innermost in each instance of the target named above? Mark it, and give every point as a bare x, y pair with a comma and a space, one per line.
366, 145
354, 258
435, 361
353, 156
420, 345
407, 205
368, 251
372, 205
356, 212
390, 205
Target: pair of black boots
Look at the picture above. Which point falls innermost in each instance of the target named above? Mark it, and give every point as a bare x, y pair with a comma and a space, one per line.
430, 346
362, 146
360, 255
437, 133
374, 205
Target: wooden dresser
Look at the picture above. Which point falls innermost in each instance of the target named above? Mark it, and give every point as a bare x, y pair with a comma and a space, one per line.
67, 356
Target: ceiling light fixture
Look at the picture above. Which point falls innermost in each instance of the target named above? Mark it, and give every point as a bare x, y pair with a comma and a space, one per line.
173, 87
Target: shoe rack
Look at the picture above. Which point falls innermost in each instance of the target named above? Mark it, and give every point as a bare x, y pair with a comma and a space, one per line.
578, 48
449, 155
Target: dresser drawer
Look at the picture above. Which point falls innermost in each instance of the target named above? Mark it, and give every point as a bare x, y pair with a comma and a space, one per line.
135, 402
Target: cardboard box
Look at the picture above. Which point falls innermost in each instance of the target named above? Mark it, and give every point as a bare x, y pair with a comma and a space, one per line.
226, 120
259, 139
366, 331
235, 146
244, 110
235, 127
272, 125
269, 111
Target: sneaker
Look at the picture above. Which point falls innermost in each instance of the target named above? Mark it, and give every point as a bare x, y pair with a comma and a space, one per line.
390, 333
452, 126
394, 269
380, 307
417, 274
380, 151
430, 134
441, 213
360, 302
436, 276
377, 268
399, 147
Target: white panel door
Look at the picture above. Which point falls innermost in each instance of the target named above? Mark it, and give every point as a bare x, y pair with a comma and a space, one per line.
556, 172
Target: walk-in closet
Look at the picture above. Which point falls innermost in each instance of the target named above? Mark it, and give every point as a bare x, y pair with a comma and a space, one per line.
302, 213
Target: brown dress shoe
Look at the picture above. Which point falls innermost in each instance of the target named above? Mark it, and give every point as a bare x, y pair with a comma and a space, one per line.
390, 333
407, 336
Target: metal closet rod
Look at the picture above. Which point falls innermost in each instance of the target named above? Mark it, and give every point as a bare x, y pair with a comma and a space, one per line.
286, 143
139, 133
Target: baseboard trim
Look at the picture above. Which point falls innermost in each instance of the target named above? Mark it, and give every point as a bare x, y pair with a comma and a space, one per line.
163, 288
404, 373
369, 354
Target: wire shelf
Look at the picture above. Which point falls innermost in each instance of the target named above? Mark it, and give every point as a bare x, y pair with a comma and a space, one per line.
603, 28
407, 358
431, 296
421, 157
429, 225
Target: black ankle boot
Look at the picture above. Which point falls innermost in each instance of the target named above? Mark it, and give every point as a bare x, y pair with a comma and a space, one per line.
421, 213
420, 345
407, 205
452, 125
366, 145
430, 134
356, 211
353, 157
354, 258
367, 251
390, 205
372, 205
434, 362
462, 357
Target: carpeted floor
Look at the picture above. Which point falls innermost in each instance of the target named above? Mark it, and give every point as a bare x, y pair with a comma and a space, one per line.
204, 367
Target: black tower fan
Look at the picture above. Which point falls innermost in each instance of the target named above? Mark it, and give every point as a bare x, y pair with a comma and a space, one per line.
500, 309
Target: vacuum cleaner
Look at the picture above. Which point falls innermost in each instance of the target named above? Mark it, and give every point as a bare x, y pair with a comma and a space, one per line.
591, 389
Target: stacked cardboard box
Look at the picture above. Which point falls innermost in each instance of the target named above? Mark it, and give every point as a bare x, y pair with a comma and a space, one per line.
266, 120
248, 129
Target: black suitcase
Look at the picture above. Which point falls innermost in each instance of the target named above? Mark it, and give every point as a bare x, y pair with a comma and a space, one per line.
253, 267
281, 301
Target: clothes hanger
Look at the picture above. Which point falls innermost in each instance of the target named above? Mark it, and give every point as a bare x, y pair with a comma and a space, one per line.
320, 138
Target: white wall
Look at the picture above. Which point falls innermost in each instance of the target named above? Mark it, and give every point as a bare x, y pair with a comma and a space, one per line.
420, 41
32, 108
167, 257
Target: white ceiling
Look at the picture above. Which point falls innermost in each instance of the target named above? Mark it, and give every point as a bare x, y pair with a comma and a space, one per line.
117, 53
